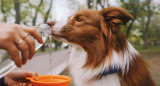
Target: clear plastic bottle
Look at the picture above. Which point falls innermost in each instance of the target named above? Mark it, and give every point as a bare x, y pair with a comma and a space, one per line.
8, 65
45, 32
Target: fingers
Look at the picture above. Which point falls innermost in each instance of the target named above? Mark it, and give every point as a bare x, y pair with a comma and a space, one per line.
30, 41
12, 35
30, 84
18, 78
31, 44
35, 76
33, 32
25, 84
23, 47
14, 53
32, 74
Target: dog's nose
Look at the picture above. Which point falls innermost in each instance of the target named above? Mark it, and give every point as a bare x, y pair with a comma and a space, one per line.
51, 23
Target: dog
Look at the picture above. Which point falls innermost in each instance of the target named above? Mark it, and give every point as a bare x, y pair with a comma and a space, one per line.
101, 55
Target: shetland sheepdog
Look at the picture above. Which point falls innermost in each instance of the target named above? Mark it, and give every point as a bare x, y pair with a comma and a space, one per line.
101, 55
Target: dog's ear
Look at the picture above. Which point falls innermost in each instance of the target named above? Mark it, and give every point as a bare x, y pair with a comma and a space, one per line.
115, 15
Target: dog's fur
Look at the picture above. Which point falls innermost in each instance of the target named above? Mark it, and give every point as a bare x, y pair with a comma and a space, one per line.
97, 44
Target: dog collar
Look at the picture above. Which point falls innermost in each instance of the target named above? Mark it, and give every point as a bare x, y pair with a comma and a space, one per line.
111, 70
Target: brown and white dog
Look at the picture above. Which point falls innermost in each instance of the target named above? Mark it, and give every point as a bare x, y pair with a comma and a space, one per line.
101, 54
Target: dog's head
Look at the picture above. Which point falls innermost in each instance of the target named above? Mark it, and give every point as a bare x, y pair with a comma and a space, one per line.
97, 32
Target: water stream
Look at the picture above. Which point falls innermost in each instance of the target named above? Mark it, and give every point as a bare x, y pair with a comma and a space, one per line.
50, 57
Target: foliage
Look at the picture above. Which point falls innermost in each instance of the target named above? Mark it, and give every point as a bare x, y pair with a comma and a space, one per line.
145, 27
34, 12
151, 49
138, 8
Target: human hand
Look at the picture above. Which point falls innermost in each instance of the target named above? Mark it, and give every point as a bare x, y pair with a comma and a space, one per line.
14, 38
18, 78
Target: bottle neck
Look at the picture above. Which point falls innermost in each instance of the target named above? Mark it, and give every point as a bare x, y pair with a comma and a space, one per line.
46, 28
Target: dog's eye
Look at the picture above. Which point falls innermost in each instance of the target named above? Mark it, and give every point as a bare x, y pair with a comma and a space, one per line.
79, 20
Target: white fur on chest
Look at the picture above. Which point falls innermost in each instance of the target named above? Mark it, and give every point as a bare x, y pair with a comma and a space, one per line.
87, 77
82, 76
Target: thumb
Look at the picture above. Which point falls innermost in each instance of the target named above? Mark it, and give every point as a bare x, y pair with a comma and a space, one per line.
32, 74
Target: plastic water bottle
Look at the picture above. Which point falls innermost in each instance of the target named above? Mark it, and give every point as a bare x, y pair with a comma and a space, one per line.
45, 31
7, 65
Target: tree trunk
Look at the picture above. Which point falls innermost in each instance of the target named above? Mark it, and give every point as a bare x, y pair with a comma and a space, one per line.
100, 3
129, 28
17, 9
89, 4
3, 11
48, 11
108, 3
45, 20
147, 25
135, 12
43, 48
131, 24
56, 45
35, 16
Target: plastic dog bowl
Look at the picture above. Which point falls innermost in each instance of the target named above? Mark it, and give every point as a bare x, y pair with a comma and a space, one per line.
51, 80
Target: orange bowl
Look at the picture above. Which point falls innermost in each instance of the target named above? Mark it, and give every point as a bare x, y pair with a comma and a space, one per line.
51, 80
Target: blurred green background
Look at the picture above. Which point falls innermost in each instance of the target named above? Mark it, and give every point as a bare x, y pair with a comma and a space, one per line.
143, 31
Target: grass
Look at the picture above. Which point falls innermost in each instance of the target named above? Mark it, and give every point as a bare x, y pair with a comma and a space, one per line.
153, 60
46, 50
150, 49
152, 56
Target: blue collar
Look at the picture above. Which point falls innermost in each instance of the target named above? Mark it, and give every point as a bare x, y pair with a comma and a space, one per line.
111, 70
